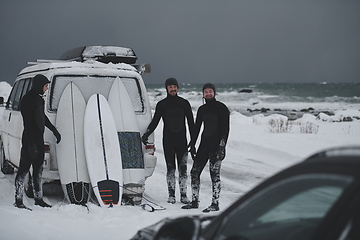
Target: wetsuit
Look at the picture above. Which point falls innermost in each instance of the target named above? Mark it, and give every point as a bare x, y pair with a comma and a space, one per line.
215, 116
173, 110
32, 151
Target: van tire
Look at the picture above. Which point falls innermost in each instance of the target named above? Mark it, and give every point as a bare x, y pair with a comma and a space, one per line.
29, 189
6, 167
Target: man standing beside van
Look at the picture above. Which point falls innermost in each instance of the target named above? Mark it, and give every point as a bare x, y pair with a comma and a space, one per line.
32, 151
215, 116
173, 110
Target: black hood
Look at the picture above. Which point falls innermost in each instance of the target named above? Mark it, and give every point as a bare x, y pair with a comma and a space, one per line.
171, 81
38, 83
209, 85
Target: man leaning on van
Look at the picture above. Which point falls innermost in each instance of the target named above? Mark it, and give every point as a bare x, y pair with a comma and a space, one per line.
32, 151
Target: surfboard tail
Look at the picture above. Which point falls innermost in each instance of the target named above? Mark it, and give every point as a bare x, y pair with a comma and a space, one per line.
132, 194
109, 192
78, 192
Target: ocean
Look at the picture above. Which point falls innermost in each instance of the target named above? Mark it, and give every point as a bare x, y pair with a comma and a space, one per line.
289, 99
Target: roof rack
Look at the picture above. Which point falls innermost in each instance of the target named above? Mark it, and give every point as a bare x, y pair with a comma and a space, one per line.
103, 54
38, 61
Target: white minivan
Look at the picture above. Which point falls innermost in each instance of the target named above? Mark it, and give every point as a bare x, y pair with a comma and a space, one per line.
93, 69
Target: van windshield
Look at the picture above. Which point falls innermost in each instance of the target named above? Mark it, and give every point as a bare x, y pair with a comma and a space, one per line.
91, 84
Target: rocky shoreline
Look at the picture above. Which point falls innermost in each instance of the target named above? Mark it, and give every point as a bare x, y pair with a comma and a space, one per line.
292, 114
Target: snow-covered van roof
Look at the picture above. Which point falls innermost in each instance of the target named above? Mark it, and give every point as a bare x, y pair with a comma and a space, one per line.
103, 54
91, 57
45, 65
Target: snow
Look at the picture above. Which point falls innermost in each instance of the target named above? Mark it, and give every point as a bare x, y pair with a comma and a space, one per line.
5, 89
254, 153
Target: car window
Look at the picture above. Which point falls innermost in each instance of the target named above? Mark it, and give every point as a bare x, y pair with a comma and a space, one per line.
290, 209
90, 85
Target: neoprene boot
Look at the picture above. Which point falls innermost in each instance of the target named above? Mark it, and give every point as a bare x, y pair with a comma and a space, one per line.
41, 203
193, 204
211, 208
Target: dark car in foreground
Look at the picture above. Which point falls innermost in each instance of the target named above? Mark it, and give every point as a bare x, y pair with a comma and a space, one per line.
318, 198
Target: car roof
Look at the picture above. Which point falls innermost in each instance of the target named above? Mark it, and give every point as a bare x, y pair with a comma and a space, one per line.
332, 153
340, 160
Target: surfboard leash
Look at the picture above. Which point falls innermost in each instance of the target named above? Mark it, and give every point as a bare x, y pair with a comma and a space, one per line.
147, 206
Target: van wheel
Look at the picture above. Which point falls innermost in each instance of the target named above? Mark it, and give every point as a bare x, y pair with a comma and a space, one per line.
6, 167
28, 185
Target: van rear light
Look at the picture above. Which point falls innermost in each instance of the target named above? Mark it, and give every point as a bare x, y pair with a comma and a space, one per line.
46, 147
150, 149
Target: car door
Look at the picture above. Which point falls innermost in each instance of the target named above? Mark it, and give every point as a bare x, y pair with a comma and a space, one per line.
292, 208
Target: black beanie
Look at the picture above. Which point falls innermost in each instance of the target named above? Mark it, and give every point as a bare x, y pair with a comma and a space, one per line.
38, 83
171, 81
209, 85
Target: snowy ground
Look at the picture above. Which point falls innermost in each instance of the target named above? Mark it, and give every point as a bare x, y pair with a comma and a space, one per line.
253, 154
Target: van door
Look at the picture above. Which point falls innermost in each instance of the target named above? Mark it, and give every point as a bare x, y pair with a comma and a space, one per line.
13, 124
5, 120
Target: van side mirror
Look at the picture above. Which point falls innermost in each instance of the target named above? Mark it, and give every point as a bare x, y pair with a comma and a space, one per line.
185, 228
143, 68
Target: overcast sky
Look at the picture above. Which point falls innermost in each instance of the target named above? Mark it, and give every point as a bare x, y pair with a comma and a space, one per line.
194, 41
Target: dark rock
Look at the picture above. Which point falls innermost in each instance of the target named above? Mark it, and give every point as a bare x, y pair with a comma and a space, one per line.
245, 91
304, 110
277, 109
264, 110
347, 119
327, 113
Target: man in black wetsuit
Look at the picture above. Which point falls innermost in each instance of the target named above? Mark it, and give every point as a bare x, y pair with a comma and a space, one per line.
32, 151
173, 110
215, 116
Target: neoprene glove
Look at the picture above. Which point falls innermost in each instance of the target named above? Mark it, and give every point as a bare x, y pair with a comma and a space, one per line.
193, 152
57, 135
145, 137
33, 151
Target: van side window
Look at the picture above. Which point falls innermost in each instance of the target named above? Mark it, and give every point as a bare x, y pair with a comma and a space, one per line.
10, 101
18, 94
20, 88
26, 87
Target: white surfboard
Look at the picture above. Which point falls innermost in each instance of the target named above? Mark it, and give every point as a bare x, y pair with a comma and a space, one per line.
70, 151
103, 151
129, 140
